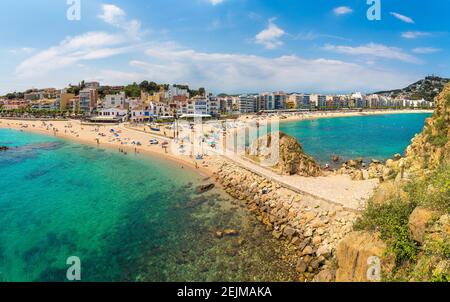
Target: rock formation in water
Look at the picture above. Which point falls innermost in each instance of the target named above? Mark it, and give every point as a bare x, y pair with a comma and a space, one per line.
3, 148
292, 160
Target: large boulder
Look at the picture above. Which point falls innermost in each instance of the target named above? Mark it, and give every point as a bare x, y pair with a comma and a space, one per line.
361, 258
204, 188
419, 221
292, 160
326, 275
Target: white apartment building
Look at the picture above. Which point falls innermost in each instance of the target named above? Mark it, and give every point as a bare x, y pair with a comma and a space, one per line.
246, 104
140, 115
174, 91
114, 101
113, 113
160, 110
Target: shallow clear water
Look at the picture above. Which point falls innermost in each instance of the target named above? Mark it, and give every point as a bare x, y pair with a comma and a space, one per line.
128, 218
368, 137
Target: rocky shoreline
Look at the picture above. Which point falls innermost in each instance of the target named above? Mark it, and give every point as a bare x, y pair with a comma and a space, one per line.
310, 228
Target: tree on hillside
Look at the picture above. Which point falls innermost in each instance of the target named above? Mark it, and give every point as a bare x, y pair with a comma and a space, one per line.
74, 89
133, 90
149, 87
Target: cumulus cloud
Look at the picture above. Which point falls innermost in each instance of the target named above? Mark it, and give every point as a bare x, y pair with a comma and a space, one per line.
89, 46
271, 36
85, 47
374, 51
403, 18
237, 73
342, 10
116, 16
414, 34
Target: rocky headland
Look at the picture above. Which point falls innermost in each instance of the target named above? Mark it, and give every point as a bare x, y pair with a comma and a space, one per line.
292, 159
402, 234
405, 228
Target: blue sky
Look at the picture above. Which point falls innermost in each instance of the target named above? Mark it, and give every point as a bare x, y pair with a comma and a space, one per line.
232, 46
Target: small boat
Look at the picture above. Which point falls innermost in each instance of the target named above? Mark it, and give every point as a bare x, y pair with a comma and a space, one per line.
154, 127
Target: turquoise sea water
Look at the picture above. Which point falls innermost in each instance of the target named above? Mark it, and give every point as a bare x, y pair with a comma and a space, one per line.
368, 137
128, 218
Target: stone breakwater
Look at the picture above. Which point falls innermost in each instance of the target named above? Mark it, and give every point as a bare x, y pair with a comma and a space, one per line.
310, 228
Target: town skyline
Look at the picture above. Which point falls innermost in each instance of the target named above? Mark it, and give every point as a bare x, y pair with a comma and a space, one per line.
229, 46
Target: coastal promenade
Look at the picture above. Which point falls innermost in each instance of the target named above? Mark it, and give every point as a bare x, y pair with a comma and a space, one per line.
336, 189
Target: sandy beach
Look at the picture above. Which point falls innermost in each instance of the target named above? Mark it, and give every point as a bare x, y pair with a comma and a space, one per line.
300, 116
336, 189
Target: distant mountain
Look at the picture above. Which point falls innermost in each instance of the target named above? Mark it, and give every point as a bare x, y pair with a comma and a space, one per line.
427, 89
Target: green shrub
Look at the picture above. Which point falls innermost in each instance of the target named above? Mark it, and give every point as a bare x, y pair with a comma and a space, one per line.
433, 191
440, 277
391, 220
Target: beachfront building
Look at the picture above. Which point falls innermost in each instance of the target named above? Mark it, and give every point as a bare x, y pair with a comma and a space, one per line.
246, 104
115, 113
14, 104
114, 101
141, 115
197, 106
88, 100
279, 99
44, 104
304, 101
213, 106
417, 103
63, 99
318, 101
267, 101
291, 102
201, 106
160, 110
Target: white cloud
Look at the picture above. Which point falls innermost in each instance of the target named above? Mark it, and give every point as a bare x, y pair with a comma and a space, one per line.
311, 35
112, 14
238, 73
342, 10
22, 50
89, 46
414, 34
215, 2
402, 18
72, 51
426, 50
270, 37
375, 51
116, 16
